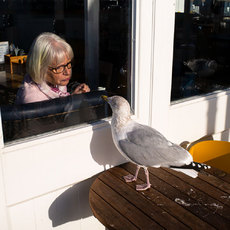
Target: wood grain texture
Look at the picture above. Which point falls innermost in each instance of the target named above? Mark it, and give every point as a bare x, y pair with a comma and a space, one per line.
174, 201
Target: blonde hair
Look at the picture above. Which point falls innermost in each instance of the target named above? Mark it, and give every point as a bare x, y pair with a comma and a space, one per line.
46, 49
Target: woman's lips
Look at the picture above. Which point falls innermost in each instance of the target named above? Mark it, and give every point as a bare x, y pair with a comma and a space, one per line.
67, 79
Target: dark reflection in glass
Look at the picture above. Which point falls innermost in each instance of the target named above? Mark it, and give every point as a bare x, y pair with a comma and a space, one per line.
25, 120
201, 61
99, 32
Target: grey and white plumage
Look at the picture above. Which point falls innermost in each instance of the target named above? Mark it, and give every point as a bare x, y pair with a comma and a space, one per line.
202, 67
145, 146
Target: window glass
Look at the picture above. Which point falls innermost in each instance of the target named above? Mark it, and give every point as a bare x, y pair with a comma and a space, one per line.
99, 32
201, 61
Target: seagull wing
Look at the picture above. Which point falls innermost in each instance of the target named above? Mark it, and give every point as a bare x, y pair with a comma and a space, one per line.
148, 147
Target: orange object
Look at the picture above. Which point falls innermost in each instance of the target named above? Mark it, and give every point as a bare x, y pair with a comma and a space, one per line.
213, 153
14, 59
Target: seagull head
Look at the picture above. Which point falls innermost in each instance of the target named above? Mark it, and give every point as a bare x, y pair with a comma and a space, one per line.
119, 106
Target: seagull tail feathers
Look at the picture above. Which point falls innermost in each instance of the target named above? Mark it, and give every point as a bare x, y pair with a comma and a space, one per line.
192, 169
190, 172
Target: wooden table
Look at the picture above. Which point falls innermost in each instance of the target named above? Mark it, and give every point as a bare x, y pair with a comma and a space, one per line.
9, 60
175, 201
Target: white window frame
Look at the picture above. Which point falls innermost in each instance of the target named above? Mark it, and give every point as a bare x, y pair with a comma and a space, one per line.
195, 117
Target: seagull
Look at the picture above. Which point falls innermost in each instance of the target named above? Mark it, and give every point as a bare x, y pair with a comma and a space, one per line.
145, 146
202, 67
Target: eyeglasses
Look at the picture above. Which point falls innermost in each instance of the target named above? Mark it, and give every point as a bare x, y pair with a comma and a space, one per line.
61, 68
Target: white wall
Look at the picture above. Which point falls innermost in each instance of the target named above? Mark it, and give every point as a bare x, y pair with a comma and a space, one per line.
201, 117
62, 209
47, 181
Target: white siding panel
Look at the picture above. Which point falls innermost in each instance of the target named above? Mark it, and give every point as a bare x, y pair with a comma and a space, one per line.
191, 120
39, 169
23, 216
65, 209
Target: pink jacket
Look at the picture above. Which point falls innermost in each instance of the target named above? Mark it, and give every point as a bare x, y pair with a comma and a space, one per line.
32, 92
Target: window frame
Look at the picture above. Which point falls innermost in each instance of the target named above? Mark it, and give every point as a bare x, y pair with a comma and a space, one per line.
140, 91
184, 120
92, 49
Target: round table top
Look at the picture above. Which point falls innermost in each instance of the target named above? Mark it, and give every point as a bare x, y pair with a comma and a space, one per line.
174, 199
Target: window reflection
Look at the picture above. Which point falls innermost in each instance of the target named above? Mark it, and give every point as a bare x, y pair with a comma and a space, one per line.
201, 61
99, 31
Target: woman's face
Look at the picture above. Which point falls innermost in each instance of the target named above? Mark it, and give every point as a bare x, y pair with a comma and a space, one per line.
60, 74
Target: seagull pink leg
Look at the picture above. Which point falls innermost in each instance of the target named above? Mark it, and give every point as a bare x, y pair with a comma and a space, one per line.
131, 178
143, 187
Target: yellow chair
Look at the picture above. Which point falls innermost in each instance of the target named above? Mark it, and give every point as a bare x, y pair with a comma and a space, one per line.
213, 153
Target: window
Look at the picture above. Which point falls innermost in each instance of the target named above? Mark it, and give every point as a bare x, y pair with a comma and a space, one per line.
201, 61
99, 32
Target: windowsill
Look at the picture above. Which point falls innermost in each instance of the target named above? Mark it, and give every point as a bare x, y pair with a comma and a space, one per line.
56, 134
199, 98
59, 134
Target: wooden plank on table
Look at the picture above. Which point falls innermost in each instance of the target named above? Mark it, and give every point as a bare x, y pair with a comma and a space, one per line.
205, 187
219, 173
165, 203
138, 200
185, 201
220, 184
202, 198
109, 217
125, 208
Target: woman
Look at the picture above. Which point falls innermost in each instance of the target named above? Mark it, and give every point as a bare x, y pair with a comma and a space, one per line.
49, 69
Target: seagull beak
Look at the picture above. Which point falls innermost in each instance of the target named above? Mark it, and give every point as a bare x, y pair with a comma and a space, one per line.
105, 98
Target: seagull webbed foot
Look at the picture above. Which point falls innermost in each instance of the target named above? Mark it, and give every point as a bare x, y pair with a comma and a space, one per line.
129, 178
142, 187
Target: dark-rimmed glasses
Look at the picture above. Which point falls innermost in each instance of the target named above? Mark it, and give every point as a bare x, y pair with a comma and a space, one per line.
61, 68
